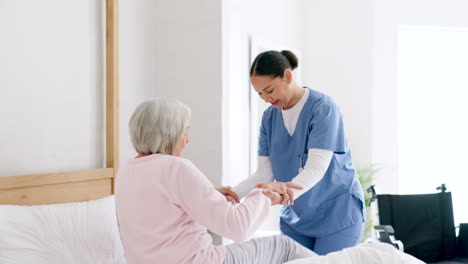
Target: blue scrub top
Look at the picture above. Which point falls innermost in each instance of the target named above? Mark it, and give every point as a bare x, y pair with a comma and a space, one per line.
336, 201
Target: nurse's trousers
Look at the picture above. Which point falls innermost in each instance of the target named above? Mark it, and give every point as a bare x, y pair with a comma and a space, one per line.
348, 237
266, 250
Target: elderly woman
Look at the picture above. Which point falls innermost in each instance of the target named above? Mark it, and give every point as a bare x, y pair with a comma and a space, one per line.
165, 204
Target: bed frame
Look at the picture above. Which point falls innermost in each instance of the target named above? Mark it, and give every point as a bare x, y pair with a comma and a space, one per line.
84, 185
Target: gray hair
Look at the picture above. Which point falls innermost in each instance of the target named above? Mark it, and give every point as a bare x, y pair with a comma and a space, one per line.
157, 125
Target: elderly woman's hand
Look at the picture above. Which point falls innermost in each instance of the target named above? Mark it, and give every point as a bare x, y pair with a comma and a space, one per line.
230, 195
283, 189
275, 197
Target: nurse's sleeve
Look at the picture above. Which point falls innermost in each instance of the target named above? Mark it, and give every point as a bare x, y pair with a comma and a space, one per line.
264, 173
326, 128
314, 170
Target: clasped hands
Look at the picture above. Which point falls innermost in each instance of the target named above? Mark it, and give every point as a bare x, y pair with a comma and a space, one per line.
278, 192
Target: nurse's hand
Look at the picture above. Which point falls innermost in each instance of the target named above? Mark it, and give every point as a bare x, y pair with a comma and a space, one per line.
275, 197
230, 195
282, 188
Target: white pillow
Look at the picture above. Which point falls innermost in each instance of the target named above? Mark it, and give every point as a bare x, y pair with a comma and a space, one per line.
84, 232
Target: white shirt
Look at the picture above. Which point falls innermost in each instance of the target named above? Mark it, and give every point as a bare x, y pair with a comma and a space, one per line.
291, 115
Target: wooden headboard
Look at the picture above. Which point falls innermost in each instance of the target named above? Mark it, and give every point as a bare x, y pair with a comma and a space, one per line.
84, 185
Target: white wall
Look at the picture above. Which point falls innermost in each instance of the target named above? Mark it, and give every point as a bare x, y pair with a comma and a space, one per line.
135, 78
175, 51
51, 79
338, 61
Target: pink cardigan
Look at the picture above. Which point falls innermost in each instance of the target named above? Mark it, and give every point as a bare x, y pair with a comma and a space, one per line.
165, 205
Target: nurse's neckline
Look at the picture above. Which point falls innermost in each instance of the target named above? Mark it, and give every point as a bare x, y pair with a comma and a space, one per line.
301, 92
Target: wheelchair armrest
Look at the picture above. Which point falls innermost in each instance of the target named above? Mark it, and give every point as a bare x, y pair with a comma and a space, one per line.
387, 228
385, 233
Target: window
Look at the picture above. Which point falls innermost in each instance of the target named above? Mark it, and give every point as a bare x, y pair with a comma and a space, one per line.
433, 112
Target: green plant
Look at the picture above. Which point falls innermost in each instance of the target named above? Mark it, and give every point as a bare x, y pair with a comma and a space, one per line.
367, 177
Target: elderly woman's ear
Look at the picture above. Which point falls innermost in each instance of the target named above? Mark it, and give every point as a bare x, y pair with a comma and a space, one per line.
182, 143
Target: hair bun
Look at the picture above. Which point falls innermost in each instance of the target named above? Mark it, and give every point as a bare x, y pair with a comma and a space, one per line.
292, 58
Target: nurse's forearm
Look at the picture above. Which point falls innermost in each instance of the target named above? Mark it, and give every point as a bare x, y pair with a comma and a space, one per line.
314, 170
264, 173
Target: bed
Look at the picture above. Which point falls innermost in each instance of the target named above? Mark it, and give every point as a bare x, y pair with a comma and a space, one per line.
39, 211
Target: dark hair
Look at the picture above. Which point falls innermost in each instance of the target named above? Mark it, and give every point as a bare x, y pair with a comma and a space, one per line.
273, 63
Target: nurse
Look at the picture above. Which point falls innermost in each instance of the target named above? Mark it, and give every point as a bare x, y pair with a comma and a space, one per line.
304, 156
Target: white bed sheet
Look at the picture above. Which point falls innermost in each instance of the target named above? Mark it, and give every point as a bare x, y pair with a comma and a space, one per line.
367, 253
